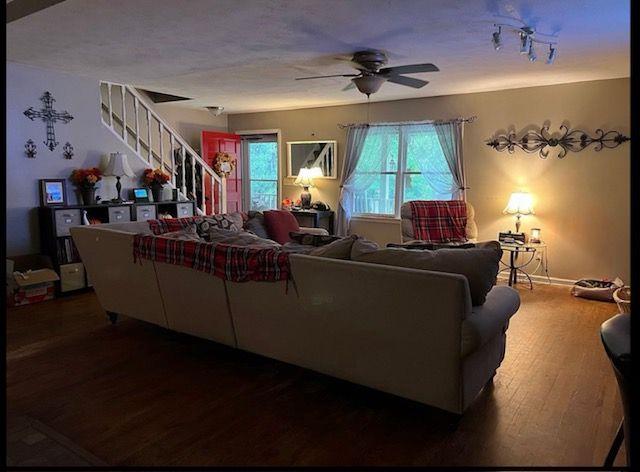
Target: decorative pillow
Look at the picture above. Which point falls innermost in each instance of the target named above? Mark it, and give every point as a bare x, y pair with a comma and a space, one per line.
309, 239
340, 249
187, 234
255, 224
479, 265
228, 221
279, 224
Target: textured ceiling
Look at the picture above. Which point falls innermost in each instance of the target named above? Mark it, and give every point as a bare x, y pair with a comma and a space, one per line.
244, 54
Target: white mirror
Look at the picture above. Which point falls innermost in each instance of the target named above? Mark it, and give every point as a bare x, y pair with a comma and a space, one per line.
309, 154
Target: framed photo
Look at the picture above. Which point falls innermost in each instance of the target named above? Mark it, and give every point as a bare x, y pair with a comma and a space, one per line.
53, 192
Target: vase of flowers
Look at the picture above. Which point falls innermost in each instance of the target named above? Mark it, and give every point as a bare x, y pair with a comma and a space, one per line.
155, 179
85, 180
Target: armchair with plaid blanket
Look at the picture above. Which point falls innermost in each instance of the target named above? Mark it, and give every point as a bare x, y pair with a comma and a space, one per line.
407, 224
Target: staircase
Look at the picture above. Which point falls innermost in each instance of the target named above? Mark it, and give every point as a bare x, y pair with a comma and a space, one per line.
128, 115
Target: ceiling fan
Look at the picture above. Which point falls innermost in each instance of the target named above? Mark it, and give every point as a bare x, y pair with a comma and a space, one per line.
372, 75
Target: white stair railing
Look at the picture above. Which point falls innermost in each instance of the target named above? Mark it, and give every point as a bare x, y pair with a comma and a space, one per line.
128, 115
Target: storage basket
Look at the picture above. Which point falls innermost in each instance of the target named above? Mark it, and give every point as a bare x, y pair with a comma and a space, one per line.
622, 297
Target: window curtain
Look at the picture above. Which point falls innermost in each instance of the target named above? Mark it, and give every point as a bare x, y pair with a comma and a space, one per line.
350, 182
450, 137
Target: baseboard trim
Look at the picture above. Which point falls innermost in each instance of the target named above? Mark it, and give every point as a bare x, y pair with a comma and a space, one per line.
539, 279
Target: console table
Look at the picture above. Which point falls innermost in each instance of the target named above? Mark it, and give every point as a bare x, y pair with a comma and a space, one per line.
528, 250
315, 218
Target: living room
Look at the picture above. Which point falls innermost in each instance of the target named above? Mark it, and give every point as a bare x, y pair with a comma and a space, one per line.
218, 256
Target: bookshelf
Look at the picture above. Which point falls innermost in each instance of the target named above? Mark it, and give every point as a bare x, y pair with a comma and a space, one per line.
56, 242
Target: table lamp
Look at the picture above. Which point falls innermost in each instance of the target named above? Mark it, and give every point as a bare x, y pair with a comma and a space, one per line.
520, 203
305, 180
117, 167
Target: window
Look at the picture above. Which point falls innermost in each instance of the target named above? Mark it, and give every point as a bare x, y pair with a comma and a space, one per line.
262, 171
400, 163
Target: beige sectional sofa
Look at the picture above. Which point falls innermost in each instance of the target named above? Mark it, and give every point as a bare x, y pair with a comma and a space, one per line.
409, 332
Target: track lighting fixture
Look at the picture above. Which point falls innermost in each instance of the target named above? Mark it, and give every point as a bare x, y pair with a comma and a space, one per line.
496, 39
526, 36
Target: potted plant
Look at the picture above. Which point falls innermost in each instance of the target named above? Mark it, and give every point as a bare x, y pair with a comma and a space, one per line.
155, 179
86, 180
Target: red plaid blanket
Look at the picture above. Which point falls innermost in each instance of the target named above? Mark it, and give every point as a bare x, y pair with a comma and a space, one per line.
234, 263
168, 225
439, 221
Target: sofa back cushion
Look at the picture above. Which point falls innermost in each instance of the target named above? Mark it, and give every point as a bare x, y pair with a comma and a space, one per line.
279, 224
255, 224
338, 249
479, 264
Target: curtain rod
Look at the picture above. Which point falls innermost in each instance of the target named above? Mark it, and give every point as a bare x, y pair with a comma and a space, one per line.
471, 119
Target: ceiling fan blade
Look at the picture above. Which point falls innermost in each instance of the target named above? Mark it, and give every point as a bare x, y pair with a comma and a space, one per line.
326, 76
349, 87
410, 69
408, 81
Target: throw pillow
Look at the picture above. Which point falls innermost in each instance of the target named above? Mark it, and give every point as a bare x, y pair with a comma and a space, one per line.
312, 239
279, 224
479, 265
255, 224
340, 249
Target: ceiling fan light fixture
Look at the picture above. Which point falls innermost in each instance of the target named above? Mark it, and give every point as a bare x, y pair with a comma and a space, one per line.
525, 43
369, 84
553, 52
532, 54
496, 40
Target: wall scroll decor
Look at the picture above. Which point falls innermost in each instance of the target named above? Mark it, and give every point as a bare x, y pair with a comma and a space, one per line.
67, 150
572, 140
49, 116
30, 149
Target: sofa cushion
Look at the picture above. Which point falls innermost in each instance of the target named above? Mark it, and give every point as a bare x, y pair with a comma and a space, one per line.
339, 249
490, 319
479, 265
255, 224
279, 224
238, 238
310, 239
187, 234
431, 246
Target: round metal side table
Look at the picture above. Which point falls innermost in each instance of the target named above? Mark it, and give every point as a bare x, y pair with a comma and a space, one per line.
527, 250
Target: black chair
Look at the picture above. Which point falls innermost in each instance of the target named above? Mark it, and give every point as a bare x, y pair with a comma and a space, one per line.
616, 337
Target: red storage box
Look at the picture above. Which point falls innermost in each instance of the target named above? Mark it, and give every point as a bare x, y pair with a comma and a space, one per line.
31, 287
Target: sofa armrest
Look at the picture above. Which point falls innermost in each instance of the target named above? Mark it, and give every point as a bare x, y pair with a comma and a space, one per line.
318, 231
489, 319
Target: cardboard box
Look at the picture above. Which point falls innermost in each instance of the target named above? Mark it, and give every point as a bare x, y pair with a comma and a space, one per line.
30, 279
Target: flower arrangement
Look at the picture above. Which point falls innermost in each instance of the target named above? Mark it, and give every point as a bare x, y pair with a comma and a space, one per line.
286, 204
86, 178
155, 178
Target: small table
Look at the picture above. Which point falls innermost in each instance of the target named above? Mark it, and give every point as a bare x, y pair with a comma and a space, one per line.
315, 218
529, 249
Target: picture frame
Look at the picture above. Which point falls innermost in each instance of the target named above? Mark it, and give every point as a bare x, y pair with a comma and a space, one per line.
53, 192
300, 152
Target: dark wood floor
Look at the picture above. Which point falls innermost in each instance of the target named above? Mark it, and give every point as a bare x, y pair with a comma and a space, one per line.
135, 394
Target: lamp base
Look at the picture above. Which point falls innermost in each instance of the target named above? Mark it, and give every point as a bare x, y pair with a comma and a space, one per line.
305, 198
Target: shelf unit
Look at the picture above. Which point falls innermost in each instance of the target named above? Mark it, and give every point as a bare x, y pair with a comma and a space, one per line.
56, 242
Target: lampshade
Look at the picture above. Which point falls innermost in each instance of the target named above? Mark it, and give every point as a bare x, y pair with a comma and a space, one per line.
520, 203
306, 176
118, 166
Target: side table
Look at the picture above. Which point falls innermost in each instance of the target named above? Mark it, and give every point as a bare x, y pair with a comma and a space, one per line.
528, 249
315, 218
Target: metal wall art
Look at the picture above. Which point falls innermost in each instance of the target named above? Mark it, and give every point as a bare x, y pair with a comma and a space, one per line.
30, 149
67, 151
49, 116
572, 140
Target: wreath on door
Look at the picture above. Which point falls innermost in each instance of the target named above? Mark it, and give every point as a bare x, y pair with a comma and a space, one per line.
224, 163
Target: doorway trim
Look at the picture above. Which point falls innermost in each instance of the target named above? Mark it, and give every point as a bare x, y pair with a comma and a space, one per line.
245, 166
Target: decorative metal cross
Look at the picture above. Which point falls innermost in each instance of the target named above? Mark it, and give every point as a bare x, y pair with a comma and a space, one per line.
49, 116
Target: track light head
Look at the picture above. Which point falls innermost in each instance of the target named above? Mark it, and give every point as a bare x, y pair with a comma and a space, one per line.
496, 39
532, 54
553, 52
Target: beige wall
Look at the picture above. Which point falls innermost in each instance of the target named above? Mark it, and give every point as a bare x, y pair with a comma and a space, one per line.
581, 201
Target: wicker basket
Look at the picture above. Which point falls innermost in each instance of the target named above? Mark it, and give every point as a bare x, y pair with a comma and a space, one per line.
622, 297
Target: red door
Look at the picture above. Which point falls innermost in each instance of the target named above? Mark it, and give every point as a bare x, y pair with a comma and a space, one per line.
211, 143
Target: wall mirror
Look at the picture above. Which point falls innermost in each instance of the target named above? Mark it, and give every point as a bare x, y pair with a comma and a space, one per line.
320, 154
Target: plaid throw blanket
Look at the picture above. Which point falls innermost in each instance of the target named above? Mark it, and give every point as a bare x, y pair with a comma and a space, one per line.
169, 225
439, 221
234, 263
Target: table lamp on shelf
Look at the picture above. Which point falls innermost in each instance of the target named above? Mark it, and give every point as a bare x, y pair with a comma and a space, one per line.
118, 166
305, 180
520, 203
